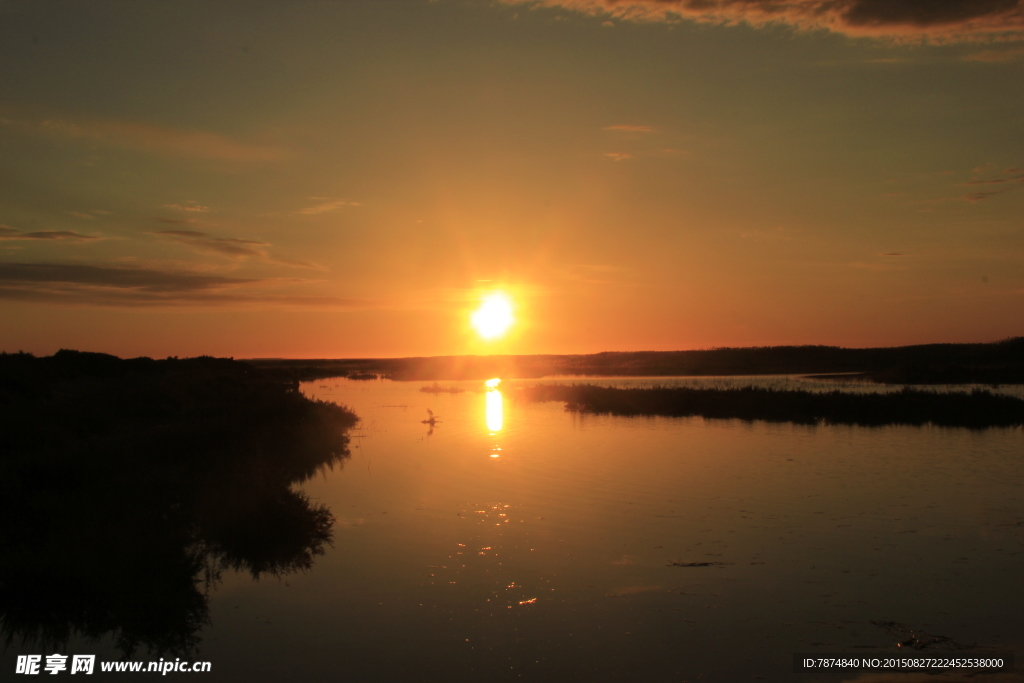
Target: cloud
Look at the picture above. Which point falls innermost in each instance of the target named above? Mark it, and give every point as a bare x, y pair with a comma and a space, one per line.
153, 139
110, 286
190, 206
1008, 177
618, 156
929, 20
225, 246
326, 205
9, 233
627, 128
231, 247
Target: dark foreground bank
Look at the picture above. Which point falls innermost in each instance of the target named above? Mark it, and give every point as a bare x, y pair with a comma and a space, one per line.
128, 486
977, 409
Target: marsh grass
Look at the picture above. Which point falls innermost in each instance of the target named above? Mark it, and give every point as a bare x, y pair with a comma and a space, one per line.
976, 409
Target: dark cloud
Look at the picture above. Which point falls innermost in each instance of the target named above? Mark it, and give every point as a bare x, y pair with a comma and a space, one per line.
225, 246
9, 233
142, 279
231, 247
113, 286
938, 20
923, 12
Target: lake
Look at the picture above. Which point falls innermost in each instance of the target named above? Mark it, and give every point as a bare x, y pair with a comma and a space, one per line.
517, 541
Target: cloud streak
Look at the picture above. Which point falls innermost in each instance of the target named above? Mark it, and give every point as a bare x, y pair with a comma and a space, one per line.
134, 287
929, 20
9, 233
190, 206
230, 247
1007, 179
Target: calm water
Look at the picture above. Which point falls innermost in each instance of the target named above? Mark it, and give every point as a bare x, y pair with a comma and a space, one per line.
515, 540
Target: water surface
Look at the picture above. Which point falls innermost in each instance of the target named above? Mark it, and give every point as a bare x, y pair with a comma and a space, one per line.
543, 549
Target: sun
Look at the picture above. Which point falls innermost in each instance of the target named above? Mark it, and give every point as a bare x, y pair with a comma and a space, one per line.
494, 316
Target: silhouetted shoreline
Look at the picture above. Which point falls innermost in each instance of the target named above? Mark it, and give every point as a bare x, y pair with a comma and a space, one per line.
977, 409
128, 486
994, 363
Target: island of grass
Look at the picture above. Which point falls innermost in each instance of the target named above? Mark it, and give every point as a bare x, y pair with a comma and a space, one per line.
977, 409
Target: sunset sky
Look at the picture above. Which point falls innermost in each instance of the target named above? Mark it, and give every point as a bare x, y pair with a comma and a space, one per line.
350, 178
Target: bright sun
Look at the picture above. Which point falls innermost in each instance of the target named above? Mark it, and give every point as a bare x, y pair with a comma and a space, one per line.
494, 316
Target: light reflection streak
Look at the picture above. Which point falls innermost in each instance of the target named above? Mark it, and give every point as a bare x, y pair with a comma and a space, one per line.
495, 408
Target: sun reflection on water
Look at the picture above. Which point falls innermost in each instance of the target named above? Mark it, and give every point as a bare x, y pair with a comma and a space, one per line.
494, 413
495, 407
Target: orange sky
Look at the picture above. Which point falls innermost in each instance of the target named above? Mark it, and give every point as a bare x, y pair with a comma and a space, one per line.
348, 179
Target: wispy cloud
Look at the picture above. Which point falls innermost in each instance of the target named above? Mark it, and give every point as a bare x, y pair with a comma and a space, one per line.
9, 233
231, 247
325, 205
225, 246
151, 138
1009, 175
618, 156
930, 20
190, 206
984, 176
111, 286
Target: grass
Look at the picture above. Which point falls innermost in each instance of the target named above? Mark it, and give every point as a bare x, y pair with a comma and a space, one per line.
977, 409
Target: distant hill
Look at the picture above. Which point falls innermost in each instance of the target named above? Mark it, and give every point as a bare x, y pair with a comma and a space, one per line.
992, 363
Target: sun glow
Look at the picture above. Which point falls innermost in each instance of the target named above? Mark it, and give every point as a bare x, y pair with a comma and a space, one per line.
494, 316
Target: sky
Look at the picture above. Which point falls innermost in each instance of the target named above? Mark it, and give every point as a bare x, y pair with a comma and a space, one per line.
348, 178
